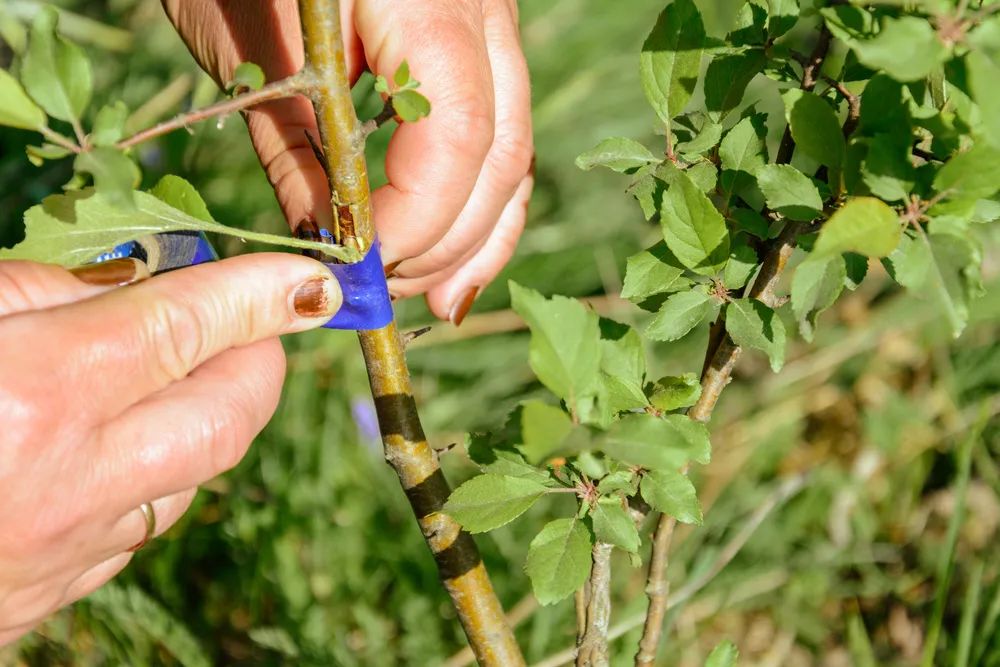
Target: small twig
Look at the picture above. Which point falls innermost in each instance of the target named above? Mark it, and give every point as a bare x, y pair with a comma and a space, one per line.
59, 140
592, 649
786, 490
317, 152
284, 88
853, 105
411, 336
387, 113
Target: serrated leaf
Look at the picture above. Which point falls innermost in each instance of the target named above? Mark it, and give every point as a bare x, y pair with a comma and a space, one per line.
619, 480
751, 25
487, 502
887, 170
705, 140
657, 443
849, 23
741, 265
790, 192
618, 154
543, 429
494, 453
623, 366
653, 271
752, 324
247, 75
815, 128
750, 222
671, 493
115, 175
675, 391
671, 58
17, 109
74, 228
970, 175
109, 125
983, 73
559, 560
782, 16
725, 654
56, 73
864, 225
183, 196
952, 275
402, 74
742, 153
726, 80
816, 284
907, 48
693, 228
381, 85
613, 525
680, 313
565, 343
410, 105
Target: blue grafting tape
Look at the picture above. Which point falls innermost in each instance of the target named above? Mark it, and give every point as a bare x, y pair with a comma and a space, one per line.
366, 294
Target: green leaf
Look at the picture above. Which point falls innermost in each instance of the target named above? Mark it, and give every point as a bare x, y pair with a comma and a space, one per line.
856, 269
849, 23
673, 494
653, 271
693, 228
543, 429
37, 155
618, 154
907, 49
613, 525
742, 153
559, 560
726, 80
750, 222
381, 85
984, 73
671, 58
495, 453
790, 192
675, 391
74, 228
565, 348
680, 313
657, 443
619, 480
486, 502
246, 75
815, 287
705, 140
815, 128
17, 109
863, 225
752, 324
115, 175
402, 74
887, 170
953, 279
782, 16
725, 654
623, 366
741, 265
55, 72
410, 105
109, 125
970, 175
183, 196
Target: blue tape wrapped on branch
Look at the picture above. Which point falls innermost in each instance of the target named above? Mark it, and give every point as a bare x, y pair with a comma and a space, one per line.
366, 295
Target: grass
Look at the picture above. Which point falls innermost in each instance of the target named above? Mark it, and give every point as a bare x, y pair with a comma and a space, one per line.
307, 552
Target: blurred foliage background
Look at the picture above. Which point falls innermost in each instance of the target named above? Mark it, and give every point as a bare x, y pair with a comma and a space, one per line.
307, 553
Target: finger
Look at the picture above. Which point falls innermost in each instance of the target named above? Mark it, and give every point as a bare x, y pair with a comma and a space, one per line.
189, 432
508, 159
452, 299
111, 351
95, 577
32, 286
432, 165
130, 529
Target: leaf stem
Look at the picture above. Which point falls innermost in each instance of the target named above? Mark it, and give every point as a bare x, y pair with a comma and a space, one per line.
406, 450
59, 140
287, 87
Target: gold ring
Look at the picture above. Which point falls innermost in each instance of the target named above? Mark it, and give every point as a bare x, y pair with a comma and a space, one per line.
150, 516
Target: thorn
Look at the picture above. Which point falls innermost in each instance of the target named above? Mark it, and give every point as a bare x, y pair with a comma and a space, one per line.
439, 452
410, 336
318, 152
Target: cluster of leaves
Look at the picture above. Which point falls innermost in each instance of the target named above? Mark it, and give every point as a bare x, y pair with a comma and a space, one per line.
888, 153
406, 102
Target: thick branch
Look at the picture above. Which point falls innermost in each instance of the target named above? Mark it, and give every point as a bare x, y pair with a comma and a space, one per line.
272, 91
592, 646
406, 449
657, 590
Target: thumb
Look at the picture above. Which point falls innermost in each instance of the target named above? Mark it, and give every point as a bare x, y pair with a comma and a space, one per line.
28, 286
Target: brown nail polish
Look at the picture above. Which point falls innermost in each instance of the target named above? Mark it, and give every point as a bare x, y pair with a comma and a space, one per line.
317, 297
112, 273
390, 269
462, 305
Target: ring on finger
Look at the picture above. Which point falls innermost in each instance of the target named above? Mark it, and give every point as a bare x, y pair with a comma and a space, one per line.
150, 516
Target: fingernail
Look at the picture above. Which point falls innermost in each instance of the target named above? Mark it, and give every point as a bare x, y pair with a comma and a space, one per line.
462, 305
112, 273
390, 269
319, 296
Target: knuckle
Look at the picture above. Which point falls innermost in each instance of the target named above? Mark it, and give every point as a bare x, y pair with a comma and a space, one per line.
18, 283
511, 155
471, 123
173, 331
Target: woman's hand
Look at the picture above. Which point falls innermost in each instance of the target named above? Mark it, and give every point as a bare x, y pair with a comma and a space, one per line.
111, 398
459, 180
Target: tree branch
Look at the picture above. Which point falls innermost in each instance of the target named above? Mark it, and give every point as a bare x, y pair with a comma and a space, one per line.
406, 449
657, 589
592, 646
284, 88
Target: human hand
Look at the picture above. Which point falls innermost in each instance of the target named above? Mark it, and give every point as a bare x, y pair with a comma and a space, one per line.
459, 180
111, 398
